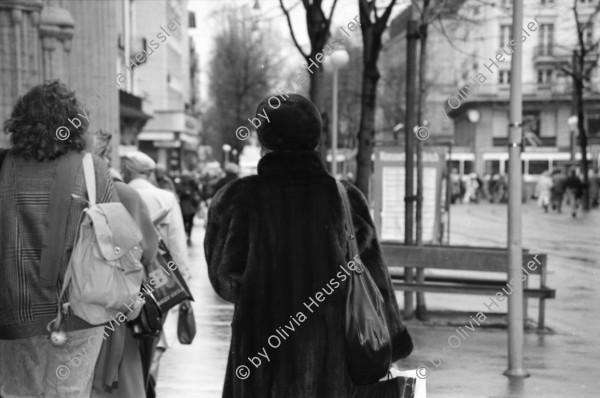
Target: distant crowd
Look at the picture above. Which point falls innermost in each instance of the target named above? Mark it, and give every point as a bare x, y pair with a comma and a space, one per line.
552, 189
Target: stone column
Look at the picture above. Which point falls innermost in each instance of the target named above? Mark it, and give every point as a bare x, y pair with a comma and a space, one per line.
19, 52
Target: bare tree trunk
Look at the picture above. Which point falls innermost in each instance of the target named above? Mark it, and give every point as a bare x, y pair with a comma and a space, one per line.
583, 139
366, 131
372, 30
421, 306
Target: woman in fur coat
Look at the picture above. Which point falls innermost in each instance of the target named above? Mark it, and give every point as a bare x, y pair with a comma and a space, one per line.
275, 247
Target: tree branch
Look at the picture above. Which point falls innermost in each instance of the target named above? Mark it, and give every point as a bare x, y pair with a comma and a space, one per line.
289, 22
328, 20
381, 23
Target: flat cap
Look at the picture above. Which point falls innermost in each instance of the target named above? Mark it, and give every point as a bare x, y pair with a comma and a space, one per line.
139, 162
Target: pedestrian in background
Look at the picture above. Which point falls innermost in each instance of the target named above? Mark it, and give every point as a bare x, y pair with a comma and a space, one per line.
39, 219
543, 190
273, 241
574, 188
138, 169
558, 189
163, 181
189, 200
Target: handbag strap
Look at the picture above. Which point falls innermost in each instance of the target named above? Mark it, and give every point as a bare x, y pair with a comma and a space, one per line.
349, 224
90, 177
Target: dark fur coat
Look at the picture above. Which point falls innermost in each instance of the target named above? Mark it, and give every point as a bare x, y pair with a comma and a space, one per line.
274, 246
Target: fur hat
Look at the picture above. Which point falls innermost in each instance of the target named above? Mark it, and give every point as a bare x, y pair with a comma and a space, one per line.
288, 122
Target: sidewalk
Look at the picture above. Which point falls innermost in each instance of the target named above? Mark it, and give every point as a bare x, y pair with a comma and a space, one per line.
562, 363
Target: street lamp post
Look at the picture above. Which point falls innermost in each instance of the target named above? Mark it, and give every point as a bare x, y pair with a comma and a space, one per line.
338, 60
572, 122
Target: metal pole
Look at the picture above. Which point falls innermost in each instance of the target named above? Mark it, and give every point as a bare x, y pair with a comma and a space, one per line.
449, 191
334, 122
409, 139
515, 256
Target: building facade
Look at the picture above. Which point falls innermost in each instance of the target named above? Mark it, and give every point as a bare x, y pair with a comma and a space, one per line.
155, 64
72, 41
468, 83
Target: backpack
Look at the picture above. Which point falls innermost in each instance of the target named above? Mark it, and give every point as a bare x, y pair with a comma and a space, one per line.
104, 274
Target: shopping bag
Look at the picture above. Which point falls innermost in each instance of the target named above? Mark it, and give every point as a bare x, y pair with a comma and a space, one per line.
167, 285
186, 325
419, 374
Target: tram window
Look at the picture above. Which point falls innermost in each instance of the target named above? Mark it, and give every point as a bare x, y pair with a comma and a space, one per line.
468, 167
492, 167
537, 167
455, 164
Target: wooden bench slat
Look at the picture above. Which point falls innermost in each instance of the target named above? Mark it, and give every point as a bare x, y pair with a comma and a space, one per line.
468, 289
456, 258
456, 279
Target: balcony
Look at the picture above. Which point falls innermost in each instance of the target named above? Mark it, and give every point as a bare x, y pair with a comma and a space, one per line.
544, 51
545, 55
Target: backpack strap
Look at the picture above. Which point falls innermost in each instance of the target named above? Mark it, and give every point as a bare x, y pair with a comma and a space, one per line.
90, 183
90, 177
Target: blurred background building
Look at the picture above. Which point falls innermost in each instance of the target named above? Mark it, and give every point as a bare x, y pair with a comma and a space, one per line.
131, 63
461, 45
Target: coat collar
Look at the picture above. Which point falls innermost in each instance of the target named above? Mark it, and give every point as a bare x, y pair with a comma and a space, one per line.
140, 183
278, 163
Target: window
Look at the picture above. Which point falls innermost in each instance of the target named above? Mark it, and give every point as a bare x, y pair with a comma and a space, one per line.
537, 167
492, 167
504, 77
468, 165
545, 76
546, 39
593, 123
504, 35
531, 122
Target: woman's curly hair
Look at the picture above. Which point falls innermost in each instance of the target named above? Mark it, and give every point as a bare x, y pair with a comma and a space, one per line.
37, 117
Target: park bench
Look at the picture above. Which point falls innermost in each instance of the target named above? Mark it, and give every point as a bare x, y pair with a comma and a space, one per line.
464, 258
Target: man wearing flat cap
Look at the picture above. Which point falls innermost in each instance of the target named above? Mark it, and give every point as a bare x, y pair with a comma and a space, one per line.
137, 169
274, 244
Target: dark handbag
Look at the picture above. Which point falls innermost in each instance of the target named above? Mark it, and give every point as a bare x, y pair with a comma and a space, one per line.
186, 325
166, 289
368, 343
149, 321
169, 287
398, 387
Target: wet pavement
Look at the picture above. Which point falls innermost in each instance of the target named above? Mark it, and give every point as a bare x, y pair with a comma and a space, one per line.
563, 362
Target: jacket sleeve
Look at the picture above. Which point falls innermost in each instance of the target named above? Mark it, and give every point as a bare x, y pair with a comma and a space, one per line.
371, 255
226, 243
